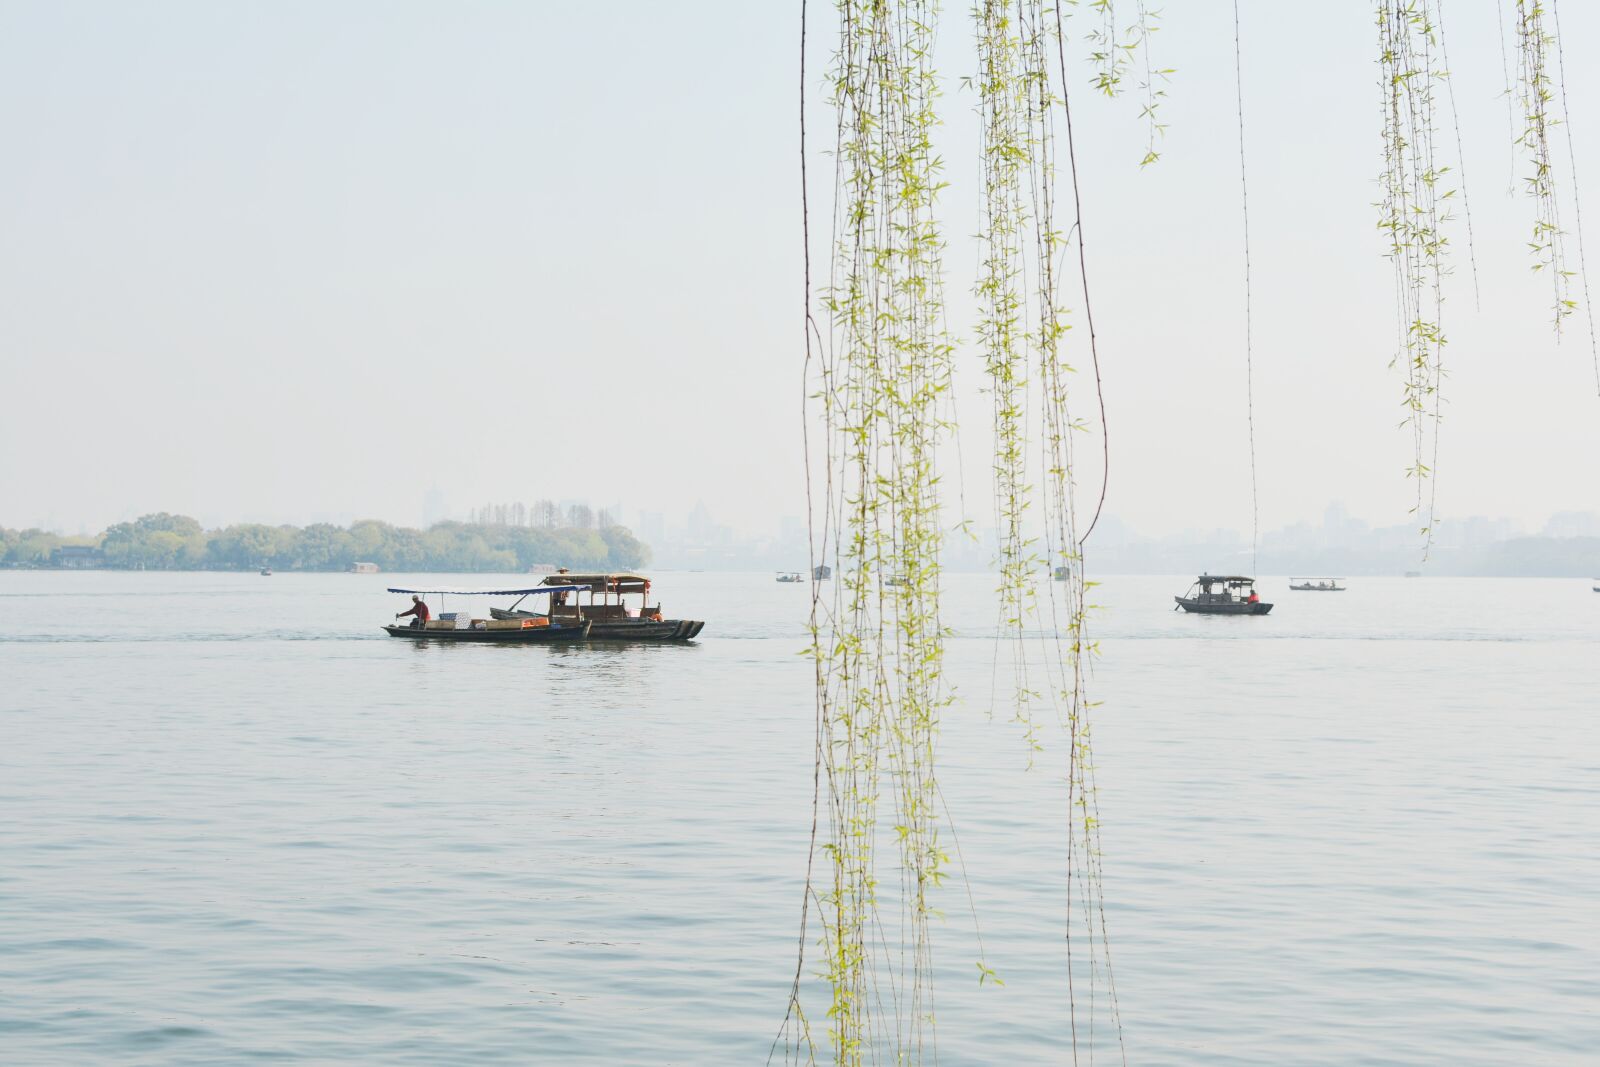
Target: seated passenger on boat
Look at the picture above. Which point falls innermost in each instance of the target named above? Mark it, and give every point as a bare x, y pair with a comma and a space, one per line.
419, 608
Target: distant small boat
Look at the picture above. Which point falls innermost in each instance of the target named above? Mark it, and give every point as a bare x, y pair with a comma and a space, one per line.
1316, 585
266, 572
1237, 596
789, 577
1413, 574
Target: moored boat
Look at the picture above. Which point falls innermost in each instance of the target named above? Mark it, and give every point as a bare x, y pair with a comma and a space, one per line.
789, 577
1222, 594
601, 599
461, 627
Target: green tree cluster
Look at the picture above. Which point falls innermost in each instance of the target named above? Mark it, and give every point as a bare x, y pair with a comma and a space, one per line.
176, 542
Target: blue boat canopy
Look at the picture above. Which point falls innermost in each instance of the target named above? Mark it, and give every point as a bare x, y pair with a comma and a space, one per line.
493, 592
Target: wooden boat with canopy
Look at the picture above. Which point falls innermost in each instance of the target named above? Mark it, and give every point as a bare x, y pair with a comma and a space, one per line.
459, 626
601, 599
1223, 594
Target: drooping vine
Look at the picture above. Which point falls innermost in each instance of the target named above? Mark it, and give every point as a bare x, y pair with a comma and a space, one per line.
1249, 323
1113, 51
1411, 215
1151, 88
882, 376
1070, 643
879, 643
1461, 159
882, 380
1010, 149
1534, 98
1577, 197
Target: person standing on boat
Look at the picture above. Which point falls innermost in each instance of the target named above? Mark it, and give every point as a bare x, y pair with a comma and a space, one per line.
419, 608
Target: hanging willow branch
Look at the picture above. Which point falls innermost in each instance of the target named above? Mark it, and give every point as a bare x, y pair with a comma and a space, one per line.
1411, 214
1088, 943
878, 641
1010, 146
1112, 51
1535, 96
879, 644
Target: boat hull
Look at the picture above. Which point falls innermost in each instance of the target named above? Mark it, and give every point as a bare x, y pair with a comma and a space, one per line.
1234, 607
625, 629
533, 635
646, 630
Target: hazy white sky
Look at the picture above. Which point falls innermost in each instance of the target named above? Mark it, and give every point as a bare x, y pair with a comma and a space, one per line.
285, 261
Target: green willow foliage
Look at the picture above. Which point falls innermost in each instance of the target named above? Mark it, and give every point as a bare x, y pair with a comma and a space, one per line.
1534, 96
1113, 52
878, 639
883, 369
1412, 213
1010, 83
879, 650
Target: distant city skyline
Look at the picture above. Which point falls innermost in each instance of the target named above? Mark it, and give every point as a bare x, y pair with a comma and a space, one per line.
699, 524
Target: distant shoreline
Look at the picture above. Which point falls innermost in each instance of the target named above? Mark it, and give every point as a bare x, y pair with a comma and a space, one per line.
166, 542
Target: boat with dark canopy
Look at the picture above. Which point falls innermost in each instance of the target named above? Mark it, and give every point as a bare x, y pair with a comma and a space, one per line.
460, 626
1223, 594
600, 599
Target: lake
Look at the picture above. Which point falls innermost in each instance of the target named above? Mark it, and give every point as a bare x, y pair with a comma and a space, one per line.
242, 825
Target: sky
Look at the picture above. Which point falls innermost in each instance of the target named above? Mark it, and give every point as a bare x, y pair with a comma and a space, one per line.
297, 261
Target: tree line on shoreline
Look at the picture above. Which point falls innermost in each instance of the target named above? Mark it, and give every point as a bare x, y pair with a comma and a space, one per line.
163, 541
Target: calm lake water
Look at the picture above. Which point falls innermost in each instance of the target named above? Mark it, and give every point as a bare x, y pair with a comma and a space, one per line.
241, 824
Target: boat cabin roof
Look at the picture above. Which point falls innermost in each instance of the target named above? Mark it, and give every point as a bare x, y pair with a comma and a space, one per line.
600, 583
1230, 579
490, 592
